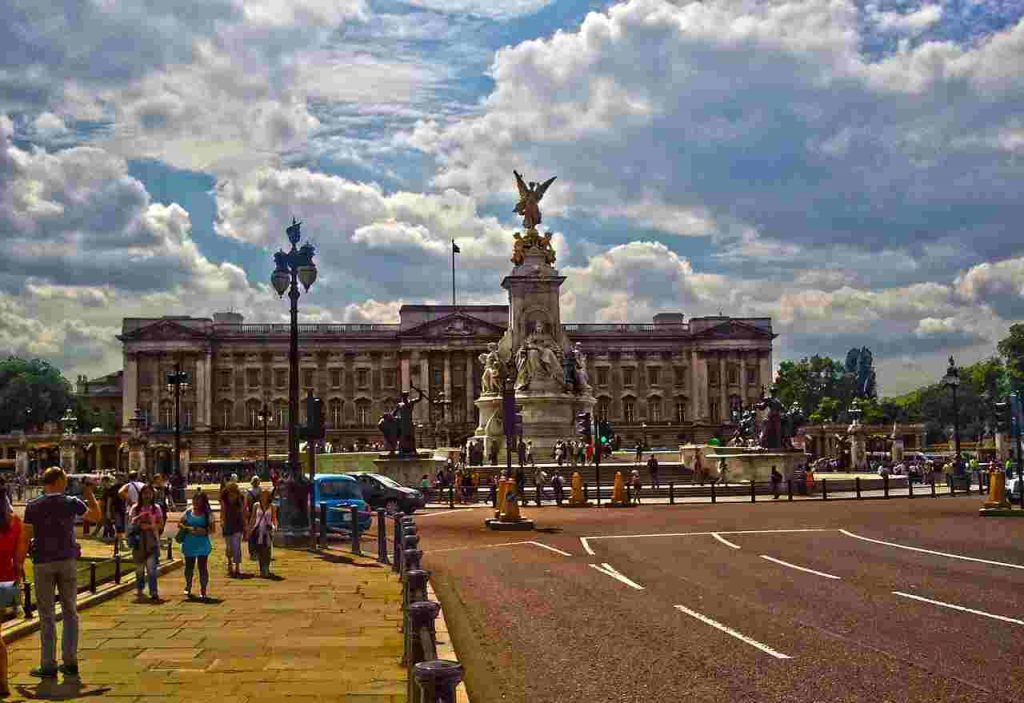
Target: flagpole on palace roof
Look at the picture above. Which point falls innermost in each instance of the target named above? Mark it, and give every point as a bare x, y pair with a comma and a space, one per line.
455, 250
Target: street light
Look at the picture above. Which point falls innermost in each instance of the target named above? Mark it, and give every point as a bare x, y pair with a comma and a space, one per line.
291, 268
952, 380
264, 416
643, 427
177, 381
69, 422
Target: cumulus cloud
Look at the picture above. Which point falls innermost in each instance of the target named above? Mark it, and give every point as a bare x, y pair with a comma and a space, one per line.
484, 8
910, 22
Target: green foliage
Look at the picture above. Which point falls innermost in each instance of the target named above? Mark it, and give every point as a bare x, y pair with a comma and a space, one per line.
1011, 348
31, 392
826, 386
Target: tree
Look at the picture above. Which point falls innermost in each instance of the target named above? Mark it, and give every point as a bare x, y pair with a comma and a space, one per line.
31, 392
1011, 348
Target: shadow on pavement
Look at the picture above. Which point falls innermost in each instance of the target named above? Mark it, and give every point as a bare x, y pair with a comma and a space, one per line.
68, 689
342, 559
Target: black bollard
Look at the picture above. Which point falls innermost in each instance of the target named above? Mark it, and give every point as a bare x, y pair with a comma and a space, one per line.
356, 548
382, 536
396, 565
910, 488
885, 485
92, 577
451, 497
856, 484
824, 489
420, 617
789, 489
586, 493
28, 598
931, 481
323, 527
753, 492
411, 559
408, 542
438, 680
713, 493
415, 586
671, 493
170, 554
117, 568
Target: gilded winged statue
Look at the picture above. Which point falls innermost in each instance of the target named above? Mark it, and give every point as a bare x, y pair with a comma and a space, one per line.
529, 200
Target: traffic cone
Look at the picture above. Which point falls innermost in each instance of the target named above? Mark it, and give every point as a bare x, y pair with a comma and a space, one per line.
619, 493
577, 490
510, 510
502, 490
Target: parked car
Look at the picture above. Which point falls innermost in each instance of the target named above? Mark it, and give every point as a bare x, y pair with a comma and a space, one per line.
383, 492
341, 493
1013, 488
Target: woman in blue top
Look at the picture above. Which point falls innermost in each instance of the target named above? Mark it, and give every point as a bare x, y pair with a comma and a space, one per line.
197, 524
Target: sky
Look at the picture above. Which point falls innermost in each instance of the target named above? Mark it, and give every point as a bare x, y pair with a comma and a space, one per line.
854, 170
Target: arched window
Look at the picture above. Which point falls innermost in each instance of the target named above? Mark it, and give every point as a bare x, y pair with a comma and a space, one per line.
628, 411
187, 415
602, 408
680, 410
654, 409
363, 413
280, 414
252, 414
167, 414
334, 413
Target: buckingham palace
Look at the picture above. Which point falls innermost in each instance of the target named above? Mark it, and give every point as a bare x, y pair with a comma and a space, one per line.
671, 380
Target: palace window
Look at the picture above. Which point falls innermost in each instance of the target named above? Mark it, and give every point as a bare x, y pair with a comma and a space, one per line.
715, 410
226, 414
335, 378
627, 375
363, 413
732, 374
167, 414
602, 375
680, 410
307, 378
280, 378
680, 374
436, 377
713, 377
752, 375
281, 414
362, 378
187, 411
252, 413
654, 409
602, 408
388, 376
653, 375
334, 413
628, 411
252, 378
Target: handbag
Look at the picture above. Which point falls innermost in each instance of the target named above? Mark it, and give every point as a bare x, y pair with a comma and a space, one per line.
10, 594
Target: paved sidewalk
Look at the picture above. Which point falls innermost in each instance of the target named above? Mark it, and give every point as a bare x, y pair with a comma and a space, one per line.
327, 630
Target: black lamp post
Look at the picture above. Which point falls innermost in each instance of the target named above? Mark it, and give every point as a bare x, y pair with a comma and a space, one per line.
643, 441
293, 267
264, 417
177, 381
952, 380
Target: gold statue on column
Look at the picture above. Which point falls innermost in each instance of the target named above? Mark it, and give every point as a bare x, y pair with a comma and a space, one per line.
529, 200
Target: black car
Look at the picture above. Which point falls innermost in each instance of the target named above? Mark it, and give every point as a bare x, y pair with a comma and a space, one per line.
383, 492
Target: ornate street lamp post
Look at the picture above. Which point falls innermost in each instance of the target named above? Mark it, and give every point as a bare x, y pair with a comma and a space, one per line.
952, 380
264, 417
292, 268
177, 381
643, 441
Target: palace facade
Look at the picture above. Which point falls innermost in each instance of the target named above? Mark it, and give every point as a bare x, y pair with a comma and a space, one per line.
673, 380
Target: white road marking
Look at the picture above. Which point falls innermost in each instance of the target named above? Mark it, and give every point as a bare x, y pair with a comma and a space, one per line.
586, 546
585, 541
556, 550
608, 570
724, 541
960, 607
729, 631
930, 551
483, 546
800, 568
442, 512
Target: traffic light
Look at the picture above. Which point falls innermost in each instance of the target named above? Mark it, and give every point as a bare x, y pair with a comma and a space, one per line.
583, 426
517, 422
513, 414
1002, 416
605, 432
314, 427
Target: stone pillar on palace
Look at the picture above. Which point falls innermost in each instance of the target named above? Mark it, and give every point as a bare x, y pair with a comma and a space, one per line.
421, 412
743, 379
765, 370
203, 383
470, 356
404, 369
130, 389
723, 381
448, 376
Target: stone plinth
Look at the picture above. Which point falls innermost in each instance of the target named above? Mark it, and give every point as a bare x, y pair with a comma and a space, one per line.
407, 470
548, 416
897, 449
743, 463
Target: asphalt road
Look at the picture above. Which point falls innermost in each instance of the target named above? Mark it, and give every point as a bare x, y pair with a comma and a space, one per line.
759, 613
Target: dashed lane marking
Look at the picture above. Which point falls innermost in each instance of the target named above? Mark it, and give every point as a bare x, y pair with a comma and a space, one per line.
800, 568
729, 631
585, 541
931, 551
502, 544
444, 512
556, 550
609, 570
959, 607
724, 541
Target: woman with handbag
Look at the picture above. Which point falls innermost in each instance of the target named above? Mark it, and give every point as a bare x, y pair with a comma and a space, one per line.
262, 524
13, 548
147, 523
194, 532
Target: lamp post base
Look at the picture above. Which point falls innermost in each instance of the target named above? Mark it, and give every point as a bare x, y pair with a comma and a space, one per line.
293, 512
522, 525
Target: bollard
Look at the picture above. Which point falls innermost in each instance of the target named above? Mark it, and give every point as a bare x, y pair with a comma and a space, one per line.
885, 485
671, 493
753, 492
382, 536
910, 488
931, 481
824, 489
409, 542
713, 493
117, 568
92, 577
856, 483
952, 485
451, 497
356, 549
438, 680
629, 494
28, 599
170, 554
412, 559
395, 565
789, 489
586, 493
415, 586
322, 534
420, 617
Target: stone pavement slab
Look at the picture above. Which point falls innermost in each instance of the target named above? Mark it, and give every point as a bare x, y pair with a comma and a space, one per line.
327, 630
